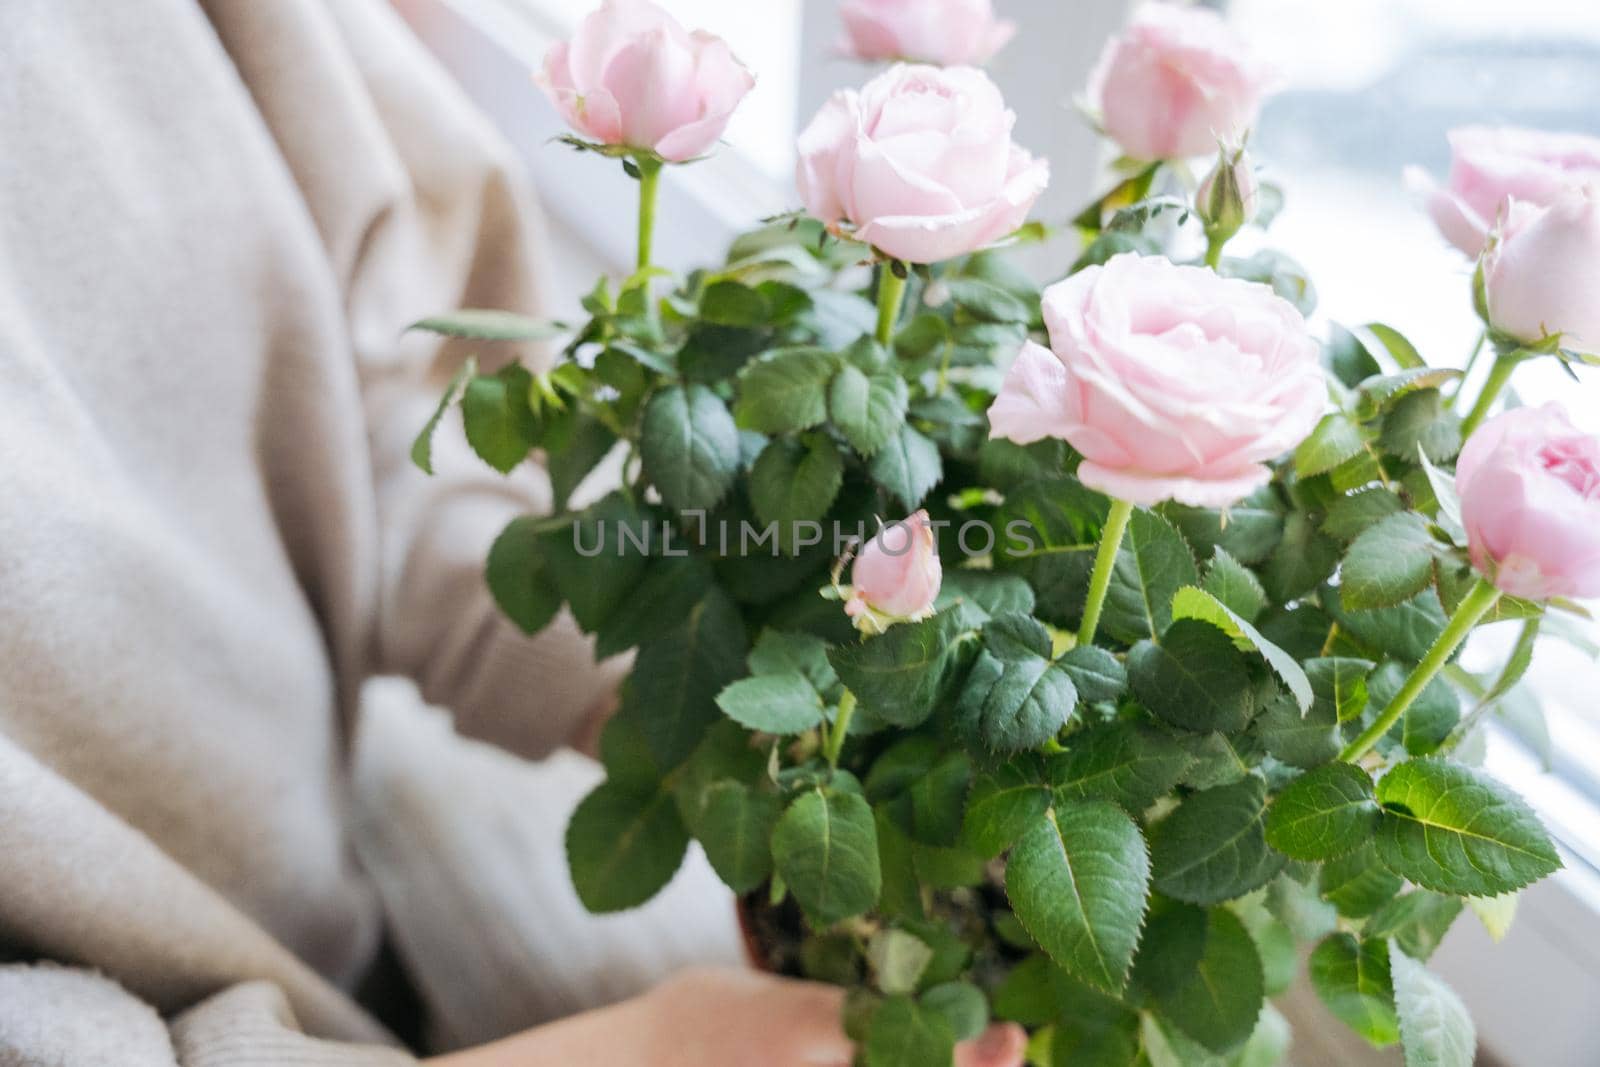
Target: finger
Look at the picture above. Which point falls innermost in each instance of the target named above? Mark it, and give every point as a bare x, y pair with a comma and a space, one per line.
1002, 1045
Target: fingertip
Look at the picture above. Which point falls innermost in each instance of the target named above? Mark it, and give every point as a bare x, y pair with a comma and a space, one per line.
1002, 1045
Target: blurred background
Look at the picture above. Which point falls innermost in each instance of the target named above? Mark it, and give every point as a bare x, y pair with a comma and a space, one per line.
1372, 86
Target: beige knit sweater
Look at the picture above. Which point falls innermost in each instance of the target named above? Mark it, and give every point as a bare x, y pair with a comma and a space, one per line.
216, 217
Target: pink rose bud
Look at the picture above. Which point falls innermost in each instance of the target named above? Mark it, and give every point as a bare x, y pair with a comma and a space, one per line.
896, 576
1530, 501
944, 32
1227, 199
1541, 275
633, 77
1489, 164
1177, 81
920, 163
1174, 383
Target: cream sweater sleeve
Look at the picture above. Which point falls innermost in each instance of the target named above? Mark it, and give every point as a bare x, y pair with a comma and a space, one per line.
422, 209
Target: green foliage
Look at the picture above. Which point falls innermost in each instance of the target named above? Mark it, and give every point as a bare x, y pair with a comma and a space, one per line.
825, 849
623, 845
1352, 978
1195, 678
1435, 1029
1214, 847
1323, 814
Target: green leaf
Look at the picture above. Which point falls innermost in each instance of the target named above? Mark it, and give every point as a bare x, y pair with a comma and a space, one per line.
867, 409
1170, 951
1003, 803
907, 1034
1388, 564
1496, 913
574, 444
1078, 881
1420, 421
1352, 978
1049, 533
1335, 440
1448, 828
1326, 813
1219, 1002
1431, 716
788, 652
422, 447
1303, 559
728, 303
1348, 516
1152, 565
825, 848
671, 694
1435, 1027
1128, 763
1213, 847
898, 675
772, 703
1248, 531
1196, 678
501, 426
988, 301
907, 466
1376, 395
1235, 586
611, 532
1357, 884
1416, 921
963, 1006
785, 390
1340, 685
1098, 675
1305, 741
671, 587
624, 844
795, 481
1193, 603
1019, 704
689, 447
898, 959
485, 324
1405, 631
735, 829
519, 577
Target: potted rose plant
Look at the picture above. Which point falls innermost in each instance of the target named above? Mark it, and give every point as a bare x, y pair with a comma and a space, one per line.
1156, 681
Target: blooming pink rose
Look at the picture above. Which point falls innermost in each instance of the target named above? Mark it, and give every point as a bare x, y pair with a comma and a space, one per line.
1530, 500
1541, 275
896, 577
920, 162
1174, 383
1489, 164
946, 32
632, 76
1177, 81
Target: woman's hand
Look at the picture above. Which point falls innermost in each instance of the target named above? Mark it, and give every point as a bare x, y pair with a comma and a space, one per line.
714, 1017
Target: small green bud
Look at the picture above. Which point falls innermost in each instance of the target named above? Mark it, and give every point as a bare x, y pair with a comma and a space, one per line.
1227, 198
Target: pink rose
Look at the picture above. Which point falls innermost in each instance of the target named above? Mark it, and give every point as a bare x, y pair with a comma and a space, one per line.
1541, 276
1530, 500
633, 77
920, 162
1489, 164
946, 32
896, 576
1177, 81
1174, 383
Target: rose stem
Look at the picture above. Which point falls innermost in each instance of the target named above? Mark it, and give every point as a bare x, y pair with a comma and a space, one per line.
1499, 375
833, 743
1479, 601
1214, 250
649, 181
1104, 561
891, 291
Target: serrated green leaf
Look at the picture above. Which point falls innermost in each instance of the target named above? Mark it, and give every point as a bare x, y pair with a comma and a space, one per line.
785, 390
963, 1006
795, 481
772, 703
501, 426
1049, 531
1322, 814
669, 590
1419, 421
689, 447
1339, 684
1193, 603
1213, 847
1390, 563
734, 827
1448, 828
1235, 586
728, 303
907, 466
422, 447
1435, 1027
1218, 1004
1097, 674
1196, 678
623, 845
789, 652
1078, 881
1416, 921
1335, 440
825, 848
612, 530
906, 1034
1018, 706
1128, 763
1348, 516
1357, 884
487, 324
1003, 803
1429, 719
1248, 531
1496, 913
898, 675
1352, 978
519, 577
1153, 563
867, 409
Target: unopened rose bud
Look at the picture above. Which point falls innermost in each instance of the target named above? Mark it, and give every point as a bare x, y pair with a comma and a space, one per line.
896, 577
1541, 273
1227, 199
